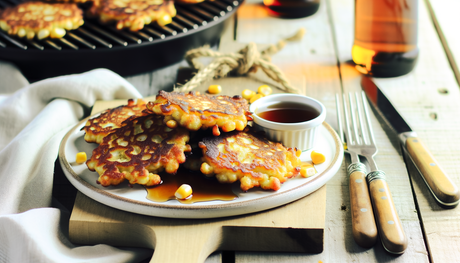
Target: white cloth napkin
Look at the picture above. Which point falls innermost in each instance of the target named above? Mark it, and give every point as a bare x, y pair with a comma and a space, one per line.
33, 120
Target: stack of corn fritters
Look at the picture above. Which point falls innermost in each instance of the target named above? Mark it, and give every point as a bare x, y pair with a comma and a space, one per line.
137, 141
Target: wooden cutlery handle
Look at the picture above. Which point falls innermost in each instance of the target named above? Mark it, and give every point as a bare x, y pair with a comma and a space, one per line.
440, 185
390, 228
362, 215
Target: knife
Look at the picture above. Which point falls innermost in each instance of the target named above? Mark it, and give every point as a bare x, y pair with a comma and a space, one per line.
445, 192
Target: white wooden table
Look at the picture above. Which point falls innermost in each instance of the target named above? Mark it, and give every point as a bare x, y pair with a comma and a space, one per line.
428, 98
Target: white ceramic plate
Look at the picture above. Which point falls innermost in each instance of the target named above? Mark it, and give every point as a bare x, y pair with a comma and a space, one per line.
135, 199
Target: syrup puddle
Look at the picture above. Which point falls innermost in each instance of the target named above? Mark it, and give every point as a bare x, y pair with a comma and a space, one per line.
204, 189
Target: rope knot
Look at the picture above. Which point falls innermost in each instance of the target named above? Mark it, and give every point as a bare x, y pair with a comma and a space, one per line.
250, 55
248, 59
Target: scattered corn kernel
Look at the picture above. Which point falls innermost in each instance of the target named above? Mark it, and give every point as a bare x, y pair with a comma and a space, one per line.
81, 157
183, 192
229, 126
214, 89
207, 169
22, 32
164, 20
137, 25
317, 158
215, 130
265, 90
57, 32
255, 97
307, 170
44, 33
4, 26
147, 20
171, 124
239, 125
247, 94
68, 25
298, 153
30, 34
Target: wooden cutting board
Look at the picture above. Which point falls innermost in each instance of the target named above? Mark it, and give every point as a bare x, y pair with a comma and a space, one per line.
295, 227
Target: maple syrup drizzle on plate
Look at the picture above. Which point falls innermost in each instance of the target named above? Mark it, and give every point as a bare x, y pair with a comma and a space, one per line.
204, 189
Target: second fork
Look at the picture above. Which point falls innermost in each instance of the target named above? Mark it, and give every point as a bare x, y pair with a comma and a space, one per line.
364, 228
388, 223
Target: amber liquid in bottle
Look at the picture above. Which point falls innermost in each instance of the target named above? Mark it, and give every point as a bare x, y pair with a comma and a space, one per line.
385, 42
292, 8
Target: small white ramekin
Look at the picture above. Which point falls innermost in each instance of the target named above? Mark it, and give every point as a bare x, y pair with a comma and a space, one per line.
300, 135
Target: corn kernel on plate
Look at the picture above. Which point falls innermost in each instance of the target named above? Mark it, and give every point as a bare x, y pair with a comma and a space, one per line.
134, 198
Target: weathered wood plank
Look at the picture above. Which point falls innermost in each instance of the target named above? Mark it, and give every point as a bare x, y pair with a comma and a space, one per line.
440, 98
311, 66
420, 97
445, 18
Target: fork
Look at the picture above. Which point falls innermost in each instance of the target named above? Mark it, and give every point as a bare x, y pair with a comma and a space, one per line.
362, 216
388, 223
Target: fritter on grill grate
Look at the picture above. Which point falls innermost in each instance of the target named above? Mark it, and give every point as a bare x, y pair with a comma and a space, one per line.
250, 158
133, 14
194, 111
101, 126
138, 151
30, 19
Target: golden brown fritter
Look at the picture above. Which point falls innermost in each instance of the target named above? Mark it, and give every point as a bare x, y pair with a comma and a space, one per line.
133, 14
40, 19
138, 151
194, 111
250, 158
99, 127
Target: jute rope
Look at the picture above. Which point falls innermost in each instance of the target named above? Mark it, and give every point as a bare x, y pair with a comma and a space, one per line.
244, 61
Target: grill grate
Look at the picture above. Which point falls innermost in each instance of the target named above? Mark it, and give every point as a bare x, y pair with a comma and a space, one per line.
95, 36
127, 53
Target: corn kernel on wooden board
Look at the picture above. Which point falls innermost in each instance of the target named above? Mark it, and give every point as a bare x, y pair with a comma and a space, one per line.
295, 227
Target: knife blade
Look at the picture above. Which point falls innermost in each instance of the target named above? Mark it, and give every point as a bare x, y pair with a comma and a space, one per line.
440, 185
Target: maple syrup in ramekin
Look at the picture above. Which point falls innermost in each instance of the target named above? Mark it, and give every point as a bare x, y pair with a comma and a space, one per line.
291, 119
288, 112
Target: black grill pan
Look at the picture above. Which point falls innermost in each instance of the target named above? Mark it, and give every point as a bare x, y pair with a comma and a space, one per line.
95, 45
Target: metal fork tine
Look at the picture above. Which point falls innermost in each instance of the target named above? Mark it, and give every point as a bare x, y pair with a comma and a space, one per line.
347, 131
339, 117
353, 119
391, 234
360, 119
363, 221
368, 119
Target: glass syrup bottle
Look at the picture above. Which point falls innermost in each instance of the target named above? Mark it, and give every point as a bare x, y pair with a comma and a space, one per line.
385, 43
